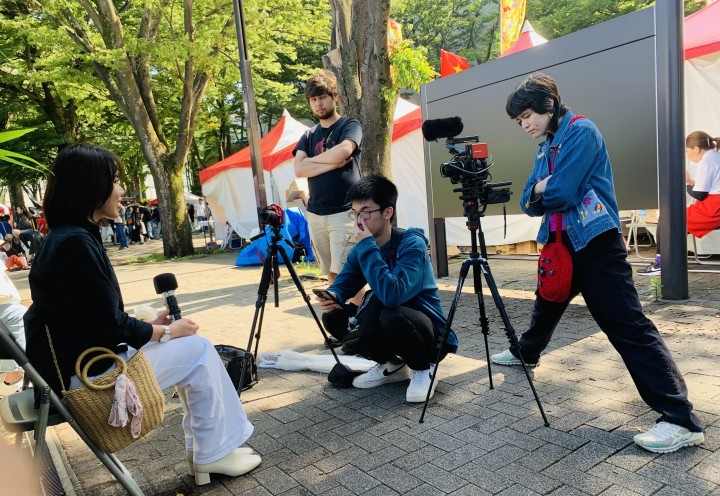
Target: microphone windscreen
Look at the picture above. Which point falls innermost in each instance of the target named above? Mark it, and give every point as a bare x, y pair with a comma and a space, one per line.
165, 282
448, 127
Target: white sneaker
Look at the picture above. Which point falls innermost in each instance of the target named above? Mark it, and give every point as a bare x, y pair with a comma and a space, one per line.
419, 383
666, 438
382, 373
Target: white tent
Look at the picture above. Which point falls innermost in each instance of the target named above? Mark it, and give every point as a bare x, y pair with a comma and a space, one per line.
228, 185
702, 86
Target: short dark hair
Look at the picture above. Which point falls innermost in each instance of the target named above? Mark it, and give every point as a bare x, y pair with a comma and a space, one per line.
321, 83
81, 180
377, 188
533, 94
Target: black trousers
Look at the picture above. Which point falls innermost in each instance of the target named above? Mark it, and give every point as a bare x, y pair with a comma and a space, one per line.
403, 332
604, 278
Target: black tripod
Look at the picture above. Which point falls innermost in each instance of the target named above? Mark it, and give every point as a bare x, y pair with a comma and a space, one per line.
479, 264
270, 274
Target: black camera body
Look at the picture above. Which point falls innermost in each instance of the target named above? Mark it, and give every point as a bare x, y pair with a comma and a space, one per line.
272, 216
469, 167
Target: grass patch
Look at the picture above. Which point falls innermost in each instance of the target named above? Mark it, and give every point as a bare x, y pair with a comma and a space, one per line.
160, 258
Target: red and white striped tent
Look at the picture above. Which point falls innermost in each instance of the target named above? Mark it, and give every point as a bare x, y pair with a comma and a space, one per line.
528, 38
229, 189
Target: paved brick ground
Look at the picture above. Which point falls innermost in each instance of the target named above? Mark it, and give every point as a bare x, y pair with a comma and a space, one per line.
475, 441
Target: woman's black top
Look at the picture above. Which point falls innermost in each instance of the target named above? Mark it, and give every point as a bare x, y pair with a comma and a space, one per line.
76, 295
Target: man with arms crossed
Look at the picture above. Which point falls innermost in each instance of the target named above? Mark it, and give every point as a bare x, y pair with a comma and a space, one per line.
328, 155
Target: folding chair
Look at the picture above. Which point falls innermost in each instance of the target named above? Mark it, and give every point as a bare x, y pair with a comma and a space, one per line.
701, 260
19, 415
637, 221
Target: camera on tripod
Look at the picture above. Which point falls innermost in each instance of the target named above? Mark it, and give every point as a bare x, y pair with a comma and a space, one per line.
272, 216
468, 166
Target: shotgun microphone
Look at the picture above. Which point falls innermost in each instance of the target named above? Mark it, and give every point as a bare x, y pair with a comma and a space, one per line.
449, 127
166, 284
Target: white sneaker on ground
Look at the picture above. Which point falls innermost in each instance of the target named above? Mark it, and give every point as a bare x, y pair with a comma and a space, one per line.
382, 373
666, 438
419, 383
507, 358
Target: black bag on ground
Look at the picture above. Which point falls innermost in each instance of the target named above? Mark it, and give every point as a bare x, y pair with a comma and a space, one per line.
234, 360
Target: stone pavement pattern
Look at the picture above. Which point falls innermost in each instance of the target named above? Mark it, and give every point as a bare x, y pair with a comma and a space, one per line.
315, 439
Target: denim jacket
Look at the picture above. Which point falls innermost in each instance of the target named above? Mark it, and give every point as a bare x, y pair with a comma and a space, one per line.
581, 186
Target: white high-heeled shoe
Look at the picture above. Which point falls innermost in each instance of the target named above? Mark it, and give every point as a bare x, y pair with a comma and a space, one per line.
191, 464
232, 464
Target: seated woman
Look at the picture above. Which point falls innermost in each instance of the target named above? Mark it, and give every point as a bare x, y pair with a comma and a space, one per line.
703, 216
77, 300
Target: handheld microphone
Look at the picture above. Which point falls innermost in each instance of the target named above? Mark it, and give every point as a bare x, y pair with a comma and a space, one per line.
166, 284
449, 127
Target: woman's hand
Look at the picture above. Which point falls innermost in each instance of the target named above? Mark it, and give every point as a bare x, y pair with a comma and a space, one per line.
183, 327
163, 318
688, 178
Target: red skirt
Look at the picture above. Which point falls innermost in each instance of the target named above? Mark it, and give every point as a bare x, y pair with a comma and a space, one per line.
704, 216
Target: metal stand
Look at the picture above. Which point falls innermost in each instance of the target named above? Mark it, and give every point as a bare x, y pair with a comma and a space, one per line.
479, 265
270, 275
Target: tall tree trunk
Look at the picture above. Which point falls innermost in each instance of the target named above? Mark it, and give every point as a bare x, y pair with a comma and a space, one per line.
360, 60
17, 199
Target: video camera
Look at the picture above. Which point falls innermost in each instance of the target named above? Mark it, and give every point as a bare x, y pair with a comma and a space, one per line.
468, 165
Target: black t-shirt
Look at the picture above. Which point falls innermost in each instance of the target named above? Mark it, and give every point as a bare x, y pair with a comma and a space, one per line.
328, 190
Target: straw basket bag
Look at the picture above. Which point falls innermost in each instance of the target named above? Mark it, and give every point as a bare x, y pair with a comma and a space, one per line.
91, 404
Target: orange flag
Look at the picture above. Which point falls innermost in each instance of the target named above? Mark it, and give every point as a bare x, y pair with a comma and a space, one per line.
451, 63
512, 14
394, 33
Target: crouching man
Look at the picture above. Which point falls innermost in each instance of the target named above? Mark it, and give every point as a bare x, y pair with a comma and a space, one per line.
406, 319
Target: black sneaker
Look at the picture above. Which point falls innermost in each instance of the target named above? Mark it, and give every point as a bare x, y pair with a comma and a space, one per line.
651, 270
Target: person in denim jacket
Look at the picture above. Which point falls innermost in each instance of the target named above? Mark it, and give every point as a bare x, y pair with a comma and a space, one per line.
572, 176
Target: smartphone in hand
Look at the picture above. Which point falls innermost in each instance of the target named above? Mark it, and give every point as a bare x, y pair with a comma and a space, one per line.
325, 294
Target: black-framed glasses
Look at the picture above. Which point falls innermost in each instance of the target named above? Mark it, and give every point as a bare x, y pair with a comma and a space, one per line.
364, 215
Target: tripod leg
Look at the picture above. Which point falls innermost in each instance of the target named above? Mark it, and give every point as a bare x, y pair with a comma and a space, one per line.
510, 331
451, 315
306, 297
484, 321
259, 308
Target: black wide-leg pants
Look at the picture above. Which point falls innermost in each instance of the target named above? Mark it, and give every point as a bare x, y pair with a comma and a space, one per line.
604, 278
402, 332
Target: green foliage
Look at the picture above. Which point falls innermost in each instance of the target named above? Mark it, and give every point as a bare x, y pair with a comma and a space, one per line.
656, 288
16, 158
410, 66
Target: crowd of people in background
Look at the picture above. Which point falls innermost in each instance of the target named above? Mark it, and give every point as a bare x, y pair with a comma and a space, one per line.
21, 237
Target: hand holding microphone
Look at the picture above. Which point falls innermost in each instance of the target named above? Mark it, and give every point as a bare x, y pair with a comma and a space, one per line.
166, 284
171, 318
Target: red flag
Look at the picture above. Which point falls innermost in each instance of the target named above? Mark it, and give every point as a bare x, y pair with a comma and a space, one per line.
451, 63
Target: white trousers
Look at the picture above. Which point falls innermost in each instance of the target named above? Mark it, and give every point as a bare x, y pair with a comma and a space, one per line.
12, 316
214, 420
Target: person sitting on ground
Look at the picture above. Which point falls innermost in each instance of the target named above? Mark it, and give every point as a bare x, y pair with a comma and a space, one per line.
571, 188
396, 266
703, 216
11, 314
22, 219
15, 258
78, 305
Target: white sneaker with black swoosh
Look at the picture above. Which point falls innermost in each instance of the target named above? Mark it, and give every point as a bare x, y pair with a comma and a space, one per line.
382, 373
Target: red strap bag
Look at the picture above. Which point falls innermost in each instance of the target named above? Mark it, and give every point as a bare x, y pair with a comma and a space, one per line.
555, 265
555, 269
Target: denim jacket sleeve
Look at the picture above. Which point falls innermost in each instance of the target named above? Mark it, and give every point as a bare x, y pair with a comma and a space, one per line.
574, 165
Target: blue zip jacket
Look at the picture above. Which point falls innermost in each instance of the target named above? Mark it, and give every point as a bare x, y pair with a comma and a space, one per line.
410, 279
581, 186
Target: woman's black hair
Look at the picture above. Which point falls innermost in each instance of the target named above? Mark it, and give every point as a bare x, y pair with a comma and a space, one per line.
539, 93
81, 181
376, 188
